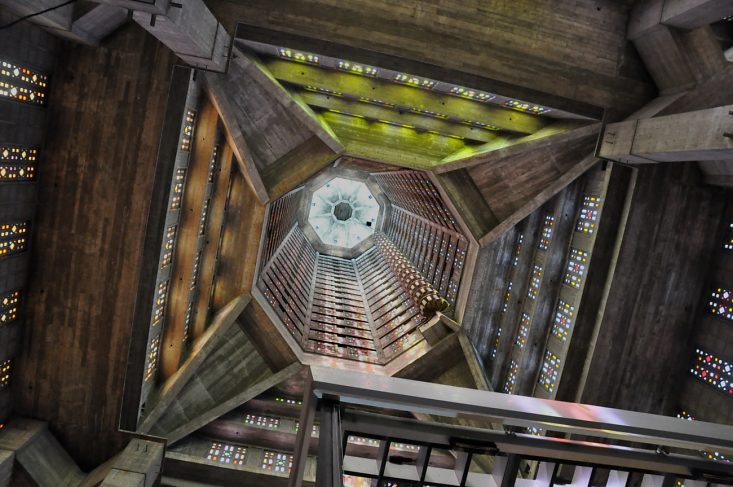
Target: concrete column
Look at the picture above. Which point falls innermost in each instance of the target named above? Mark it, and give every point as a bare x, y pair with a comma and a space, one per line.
40, 454
7, 458
89, 28
138, 465
704, 135
192, 32
690, 14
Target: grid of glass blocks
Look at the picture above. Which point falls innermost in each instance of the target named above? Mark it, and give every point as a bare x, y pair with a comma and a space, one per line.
152, 366
714, 371
187, 132
177, 192
588, 217
277, 462
17, 164
546, 235
262, 421
224, 453
549, 373
576, 268
721, 303
563, 322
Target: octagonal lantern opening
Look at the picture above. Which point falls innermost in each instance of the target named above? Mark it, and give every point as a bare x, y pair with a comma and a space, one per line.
343, 212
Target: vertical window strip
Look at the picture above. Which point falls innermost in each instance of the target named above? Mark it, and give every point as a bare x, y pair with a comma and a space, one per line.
5, 373
195, 272
168, 246
588, 218
546, 236
213, 163
153, 350
22, 84
187, 131
224, 453
576, 268
521, 339
179, 182
728, 244
204, 216
713, 371
13, 238
563, 322
517, 250
17, 164
550, 370
511, 377
535, 282
9, 307
161, 298
721, 303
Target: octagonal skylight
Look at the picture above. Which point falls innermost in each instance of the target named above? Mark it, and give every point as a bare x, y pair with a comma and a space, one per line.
343, 212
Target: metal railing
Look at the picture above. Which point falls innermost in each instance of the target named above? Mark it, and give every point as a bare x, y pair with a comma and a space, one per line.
583, 444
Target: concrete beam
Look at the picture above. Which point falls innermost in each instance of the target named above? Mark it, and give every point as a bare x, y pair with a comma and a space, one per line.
149, 6
557, 133
403, 96
7, 458
292, 101
690, 14
138, 465
60, 18
201, 349
217, 93
40, 454
192, 32
704, 135
89, 29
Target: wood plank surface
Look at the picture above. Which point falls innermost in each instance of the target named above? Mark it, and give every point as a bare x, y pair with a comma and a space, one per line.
106, 115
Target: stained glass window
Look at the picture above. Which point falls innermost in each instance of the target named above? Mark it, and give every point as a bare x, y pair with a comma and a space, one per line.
714, 371
408, 79
721, 303
277, 462
577, 262
517, 249
302, 57
497, 342
728, 245
212, 163
524, 323
187, 133
288, 401
9, 307
526, 107
534, 282
223, 453
177, 192
13, 238
169, 243
357, 68
204, 216
161, 297
546, 236
195, 271
22, 84
153, 349
511, 377
471, 94
588, 215
5, 371
507, 297
187, 322
17, 164
548, 375
563, 320
685, 415
262, 421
